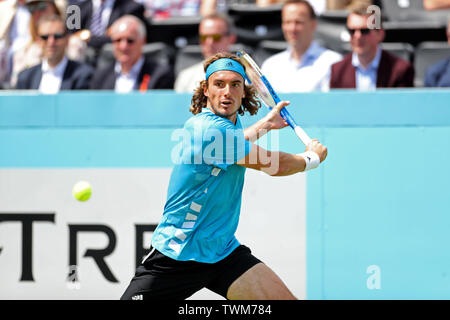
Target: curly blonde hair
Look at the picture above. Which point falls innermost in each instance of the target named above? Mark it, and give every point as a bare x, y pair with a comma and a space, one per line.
250, 103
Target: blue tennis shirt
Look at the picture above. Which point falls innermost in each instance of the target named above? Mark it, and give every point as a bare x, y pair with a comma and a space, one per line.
203, 203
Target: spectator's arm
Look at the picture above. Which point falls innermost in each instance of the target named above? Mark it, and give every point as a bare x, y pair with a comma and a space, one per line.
436, 4
208, 7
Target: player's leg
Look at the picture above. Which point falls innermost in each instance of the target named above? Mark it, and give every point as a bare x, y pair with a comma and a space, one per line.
259, 283
162, 278
243, 276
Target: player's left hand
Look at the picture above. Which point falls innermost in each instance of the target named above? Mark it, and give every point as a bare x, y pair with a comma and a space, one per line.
274, 118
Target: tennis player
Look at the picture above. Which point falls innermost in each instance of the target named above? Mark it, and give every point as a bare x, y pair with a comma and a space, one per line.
194, 245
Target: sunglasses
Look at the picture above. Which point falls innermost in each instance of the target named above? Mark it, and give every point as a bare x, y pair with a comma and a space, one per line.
363, 31
215, 37
129, 40
55, 36
38, 6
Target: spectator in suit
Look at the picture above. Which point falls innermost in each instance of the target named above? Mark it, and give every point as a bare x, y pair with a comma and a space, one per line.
216, 35
19, 48
438, 74
56, 72
305, 64
131, 70
98, 15
369, 67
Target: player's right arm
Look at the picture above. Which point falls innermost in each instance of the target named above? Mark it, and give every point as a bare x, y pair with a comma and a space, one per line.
277, 163
271, 121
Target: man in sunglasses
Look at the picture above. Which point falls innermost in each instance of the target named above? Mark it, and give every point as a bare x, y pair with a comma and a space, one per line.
369, 67
56, 72
215, 35
131, 70
16, 19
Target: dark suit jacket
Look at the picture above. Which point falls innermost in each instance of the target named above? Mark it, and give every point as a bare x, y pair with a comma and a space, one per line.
120, 8
392, 72
438, 75
157, 76
77, 76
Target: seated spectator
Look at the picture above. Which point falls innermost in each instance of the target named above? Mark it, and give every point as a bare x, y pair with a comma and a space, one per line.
131, 70
98, 15
438, 74
305, 64
19, 31
56, 72
369, 67
163, 9
216, 35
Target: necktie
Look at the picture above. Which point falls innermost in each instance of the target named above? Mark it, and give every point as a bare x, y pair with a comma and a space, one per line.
96, 23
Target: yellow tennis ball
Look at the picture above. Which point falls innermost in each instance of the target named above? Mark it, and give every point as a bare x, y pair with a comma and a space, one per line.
82, 191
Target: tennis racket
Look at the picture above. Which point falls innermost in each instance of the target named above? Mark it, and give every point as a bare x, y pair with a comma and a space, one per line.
267, 94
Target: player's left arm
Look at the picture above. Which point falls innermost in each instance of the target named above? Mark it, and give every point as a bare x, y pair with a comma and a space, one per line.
271, 121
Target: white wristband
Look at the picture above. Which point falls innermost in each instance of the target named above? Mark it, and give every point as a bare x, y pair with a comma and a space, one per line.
312, 159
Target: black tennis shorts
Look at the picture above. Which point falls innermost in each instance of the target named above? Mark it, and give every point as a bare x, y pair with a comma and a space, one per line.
162, 278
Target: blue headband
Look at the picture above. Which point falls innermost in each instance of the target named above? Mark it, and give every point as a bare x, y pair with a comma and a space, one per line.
225, 64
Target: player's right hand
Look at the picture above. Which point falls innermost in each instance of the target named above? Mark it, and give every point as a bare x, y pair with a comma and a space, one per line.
318, 148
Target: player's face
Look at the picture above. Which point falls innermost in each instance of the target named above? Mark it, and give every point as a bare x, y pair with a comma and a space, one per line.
214, 37
127, 43
225, 92
363, 44
297, 24
53, 41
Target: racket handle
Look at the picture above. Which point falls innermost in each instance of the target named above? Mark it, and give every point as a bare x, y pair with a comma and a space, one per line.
297, 129
302, 135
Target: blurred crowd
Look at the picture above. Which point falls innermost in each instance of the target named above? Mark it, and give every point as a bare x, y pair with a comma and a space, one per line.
119, 45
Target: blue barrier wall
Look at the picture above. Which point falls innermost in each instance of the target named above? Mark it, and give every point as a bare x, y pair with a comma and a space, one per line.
377, 210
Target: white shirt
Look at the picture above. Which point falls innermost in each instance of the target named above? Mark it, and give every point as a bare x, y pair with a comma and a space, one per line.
52, 77
189, 79
366, 79
310, 74
106, 14
319, 6
126, 82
